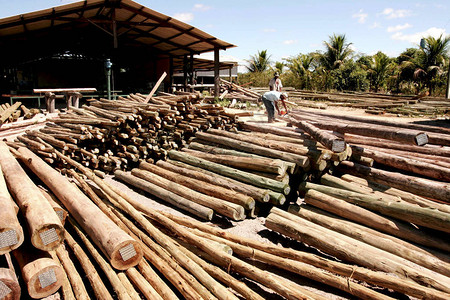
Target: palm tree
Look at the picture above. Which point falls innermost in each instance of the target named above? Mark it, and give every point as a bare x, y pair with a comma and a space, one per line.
302, 67
378, 69
259, 62
279, 66
431, 59
337, 51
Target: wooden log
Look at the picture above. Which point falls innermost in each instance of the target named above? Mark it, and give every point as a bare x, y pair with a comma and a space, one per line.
128, 286
267, 165
299, 268
258, 194
251, 145
363, 140
76, 282
327, 139
372, 237
409, 136
201, 186
231, 210
107, 269
377, 278
350, 249
9, 285
66, 288
166, 195
143, 285
157, 84
4, 115
11, 232
366, 217
41, 274
405, 164
61, 212
46, 230
401, 210
406, 196
420, 186
155, 281
122, 251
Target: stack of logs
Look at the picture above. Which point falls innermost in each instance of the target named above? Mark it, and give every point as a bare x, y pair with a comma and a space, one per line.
121, 257
231, 90
116, 134
11, 113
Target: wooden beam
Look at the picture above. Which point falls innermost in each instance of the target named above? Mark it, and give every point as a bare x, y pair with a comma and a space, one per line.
216, 72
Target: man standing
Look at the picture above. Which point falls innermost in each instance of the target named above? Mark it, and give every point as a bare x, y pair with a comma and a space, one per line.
275, 83
270, 100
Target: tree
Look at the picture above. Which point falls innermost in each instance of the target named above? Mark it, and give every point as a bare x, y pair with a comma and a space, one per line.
279, 66
378, 70
302, 67
259, 62
431, 59
336, 53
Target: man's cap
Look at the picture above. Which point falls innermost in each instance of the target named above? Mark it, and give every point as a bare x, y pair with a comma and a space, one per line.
285, 95
277, 74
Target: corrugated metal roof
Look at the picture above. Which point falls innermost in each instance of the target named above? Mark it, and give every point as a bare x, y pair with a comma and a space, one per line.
134, 22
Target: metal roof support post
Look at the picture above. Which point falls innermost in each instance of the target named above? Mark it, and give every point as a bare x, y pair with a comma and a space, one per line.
216, 72
191, 69
229, 70
170, 75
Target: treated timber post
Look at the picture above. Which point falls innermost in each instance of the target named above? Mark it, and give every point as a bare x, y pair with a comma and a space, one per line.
46, 230
9, 285
122, 250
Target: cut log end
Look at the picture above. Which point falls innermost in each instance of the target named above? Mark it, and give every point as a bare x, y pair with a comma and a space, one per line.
46, 280
48, 237
10, 239
338, 146
421, 139
128, 254
9, 286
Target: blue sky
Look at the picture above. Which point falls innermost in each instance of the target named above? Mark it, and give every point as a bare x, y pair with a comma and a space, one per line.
287, 28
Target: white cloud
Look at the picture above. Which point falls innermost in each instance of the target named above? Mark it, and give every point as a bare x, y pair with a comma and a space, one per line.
375, 25
201, 7
290, 42
361, 16
398, 27
184, 17
391, 13
415, 37
269, 30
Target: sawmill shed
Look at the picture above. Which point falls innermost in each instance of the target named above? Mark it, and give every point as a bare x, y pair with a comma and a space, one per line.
68, 46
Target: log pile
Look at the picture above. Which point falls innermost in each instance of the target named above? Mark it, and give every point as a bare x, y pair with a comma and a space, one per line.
109, 135
231, 90
12, 113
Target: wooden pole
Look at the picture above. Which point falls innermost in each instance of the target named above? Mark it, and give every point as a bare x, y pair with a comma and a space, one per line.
143, 285
41, 274
157, 84
9, 285
201, 186
66, 287
327, 139
122, 250
45, 228
11, 232
4, 115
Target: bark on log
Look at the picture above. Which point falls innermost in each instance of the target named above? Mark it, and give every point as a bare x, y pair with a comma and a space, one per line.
213, 190
143, 285
406, 164
401, 210
329, 140
46, 230
230, 172
122, 251
155, 281
300, 160
166, 195
41, 274
390, 133
366, 217
258, 194
372, 237
350, 249
420, 186
11, 232
377, 278
231, 210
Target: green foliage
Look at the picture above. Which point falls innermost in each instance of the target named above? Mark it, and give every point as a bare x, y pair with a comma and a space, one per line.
414, 70
259, 62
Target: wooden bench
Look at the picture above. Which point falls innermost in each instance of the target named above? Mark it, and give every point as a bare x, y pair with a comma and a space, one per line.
13, 97
72, 96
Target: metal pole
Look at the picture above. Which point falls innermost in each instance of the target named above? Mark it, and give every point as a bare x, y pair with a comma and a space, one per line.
216, 72
448, 81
